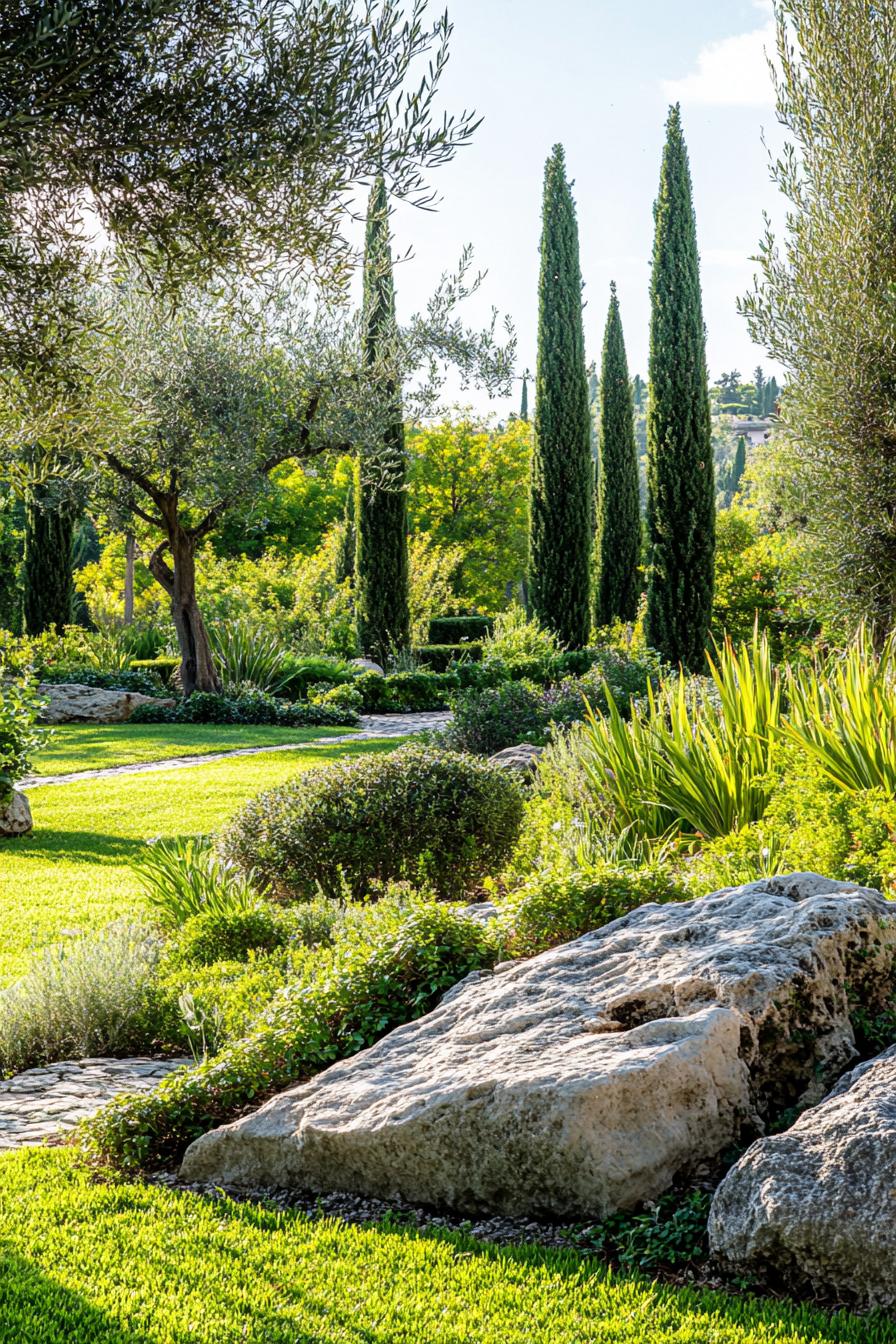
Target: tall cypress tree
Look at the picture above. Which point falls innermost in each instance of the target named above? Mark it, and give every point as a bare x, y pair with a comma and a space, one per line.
560, 495
524, 398
47, 568
680, 471
381, 558
348, 545
618, 501
738, 466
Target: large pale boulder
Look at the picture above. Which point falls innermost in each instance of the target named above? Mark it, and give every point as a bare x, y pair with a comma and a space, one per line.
816, 1206
15, 814
69, 702
585, 1079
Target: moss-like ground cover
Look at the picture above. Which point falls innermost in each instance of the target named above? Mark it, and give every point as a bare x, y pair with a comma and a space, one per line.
85, 1262
73, 872
75, 747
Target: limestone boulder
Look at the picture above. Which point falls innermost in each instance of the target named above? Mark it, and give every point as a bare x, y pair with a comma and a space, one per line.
15, 814
367, 665
584, 1080
69, 702
816, 1206
521, 760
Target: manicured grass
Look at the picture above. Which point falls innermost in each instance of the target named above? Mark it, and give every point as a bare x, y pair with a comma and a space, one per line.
72, 873
84, 1262
76, 746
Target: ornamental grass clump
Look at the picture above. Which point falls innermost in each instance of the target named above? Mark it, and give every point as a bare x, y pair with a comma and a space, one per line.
843, 713
388, 968
435, 818
695, 761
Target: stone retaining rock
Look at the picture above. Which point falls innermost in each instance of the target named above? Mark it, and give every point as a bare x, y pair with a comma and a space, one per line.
15, 815
586, 1079
69, 702
816, 1206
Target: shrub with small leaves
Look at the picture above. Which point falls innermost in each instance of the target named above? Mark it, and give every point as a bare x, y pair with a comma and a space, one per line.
386, 970
19, 733
433, 817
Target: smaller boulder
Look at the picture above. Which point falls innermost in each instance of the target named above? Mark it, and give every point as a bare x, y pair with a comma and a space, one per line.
367, 665
520, 760
15, 815
816, 1206
70, 702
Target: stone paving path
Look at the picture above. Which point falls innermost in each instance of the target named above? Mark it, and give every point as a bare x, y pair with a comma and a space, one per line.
40, 1105
372, 726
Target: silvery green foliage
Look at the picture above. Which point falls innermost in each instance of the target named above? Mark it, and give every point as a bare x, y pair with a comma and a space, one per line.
823, 303
82, 997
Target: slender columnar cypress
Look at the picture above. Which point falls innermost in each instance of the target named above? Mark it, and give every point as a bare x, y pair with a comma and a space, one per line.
47, 568
381, 557
680, 473
738, 466
524, 399
348, 545
618, 501
560, 499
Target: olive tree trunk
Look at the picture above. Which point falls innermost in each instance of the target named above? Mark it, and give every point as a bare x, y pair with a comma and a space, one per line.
197, 663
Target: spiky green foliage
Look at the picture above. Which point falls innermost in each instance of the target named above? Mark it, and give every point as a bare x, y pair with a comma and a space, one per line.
680, 473
381, 560
49, 532
560, 535
618, 585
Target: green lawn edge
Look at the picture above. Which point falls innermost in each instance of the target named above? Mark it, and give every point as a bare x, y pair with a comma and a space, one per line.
90, 1261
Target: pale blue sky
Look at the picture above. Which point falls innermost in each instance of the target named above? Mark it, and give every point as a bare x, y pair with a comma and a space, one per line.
599, 75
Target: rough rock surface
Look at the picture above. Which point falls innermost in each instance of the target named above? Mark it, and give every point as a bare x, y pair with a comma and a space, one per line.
522, 759
585, 1079
816, 1205
15, 815
367, 665
68, 702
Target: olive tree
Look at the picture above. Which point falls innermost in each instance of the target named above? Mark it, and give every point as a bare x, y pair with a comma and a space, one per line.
199, 136
198, 406
823, 304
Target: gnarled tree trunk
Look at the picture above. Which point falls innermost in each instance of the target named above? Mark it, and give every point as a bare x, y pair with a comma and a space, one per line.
197, 663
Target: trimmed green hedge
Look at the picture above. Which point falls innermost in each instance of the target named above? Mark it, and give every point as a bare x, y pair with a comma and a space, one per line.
459, 629
439, 657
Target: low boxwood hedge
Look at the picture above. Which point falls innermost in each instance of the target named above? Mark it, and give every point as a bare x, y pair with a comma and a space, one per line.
459, 629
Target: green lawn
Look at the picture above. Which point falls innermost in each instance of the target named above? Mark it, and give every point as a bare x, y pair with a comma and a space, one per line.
76, 746
91, 1263
73, 873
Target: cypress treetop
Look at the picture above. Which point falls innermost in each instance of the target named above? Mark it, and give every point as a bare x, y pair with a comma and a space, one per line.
560, 529
680, 471
618, 586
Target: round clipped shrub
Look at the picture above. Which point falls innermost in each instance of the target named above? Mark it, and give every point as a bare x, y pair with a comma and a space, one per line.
230, 935
432, 817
